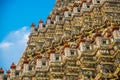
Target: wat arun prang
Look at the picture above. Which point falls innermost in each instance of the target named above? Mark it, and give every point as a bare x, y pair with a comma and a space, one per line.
79, 41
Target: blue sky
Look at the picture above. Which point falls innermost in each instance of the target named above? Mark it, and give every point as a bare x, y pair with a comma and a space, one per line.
16, 17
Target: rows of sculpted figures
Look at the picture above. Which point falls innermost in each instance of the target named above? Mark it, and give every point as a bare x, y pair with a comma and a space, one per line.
79, 41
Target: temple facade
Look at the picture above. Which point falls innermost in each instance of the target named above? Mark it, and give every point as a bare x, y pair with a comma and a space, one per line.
79, 41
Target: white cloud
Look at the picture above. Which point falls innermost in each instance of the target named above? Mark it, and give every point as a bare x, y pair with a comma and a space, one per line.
5, 44
13, 45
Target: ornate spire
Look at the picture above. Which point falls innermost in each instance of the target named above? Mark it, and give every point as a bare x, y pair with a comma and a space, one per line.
32, 25
1, 71
13, 66
41, 21
26, 60
8, 71
97, 34
66, 44
38, 56
66, 9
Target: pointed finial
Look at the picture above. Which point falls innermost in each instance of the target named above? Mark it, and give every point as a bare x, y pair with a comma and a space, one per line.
26, 61
32, 25
8, 71
13, 66
1, 71
41, 21
66, 9
48, 17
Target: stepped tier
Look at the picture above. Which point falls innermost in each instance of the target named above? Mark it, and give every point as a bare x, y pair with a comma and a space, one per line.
79, 41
